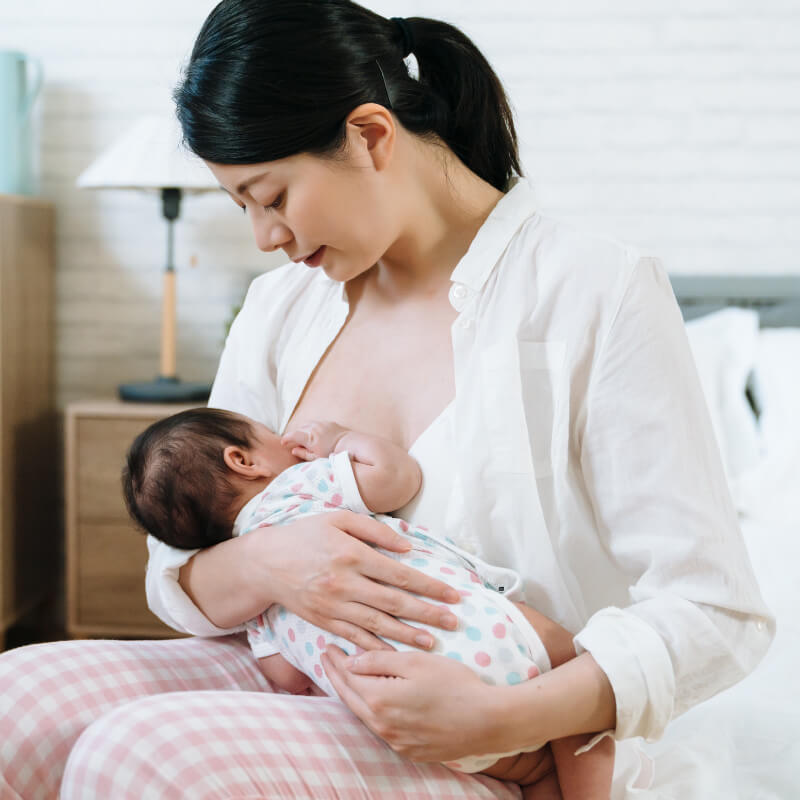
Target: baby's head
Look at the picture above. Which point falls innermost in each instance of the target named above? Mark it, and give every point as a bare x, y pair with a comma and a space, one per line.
187, 476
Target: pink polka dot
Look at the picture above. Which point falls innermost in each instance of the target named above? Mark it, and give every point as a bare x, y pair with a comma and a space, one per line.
482, 659
292, 508
423, 550
532, 672
336, 499
499, 630
464, 593
447, 570
330, 478
474, 578
421, 528
291, 634
321, 642
318, 670
403, 526
509, 619
297, 487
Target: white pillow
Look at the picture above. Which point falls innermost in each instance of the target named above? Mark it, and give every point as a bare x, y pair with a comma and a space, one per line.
724, 348
773, 490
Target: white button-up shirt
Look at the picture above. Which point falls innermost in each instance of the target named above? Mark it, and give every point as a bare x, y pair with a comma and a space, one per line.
587, 460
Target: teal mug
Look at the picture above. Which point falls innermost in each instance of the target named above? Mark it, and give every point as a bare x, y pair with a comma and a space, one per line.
18, 91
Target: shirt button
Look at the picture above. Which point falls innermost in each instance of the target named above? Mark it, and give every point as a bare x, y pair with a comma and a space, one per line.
760, 625
458, 296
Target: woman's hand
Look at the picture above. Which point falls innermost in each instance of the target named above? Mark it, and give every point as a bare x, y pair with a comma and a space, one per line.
321, 569
425, 707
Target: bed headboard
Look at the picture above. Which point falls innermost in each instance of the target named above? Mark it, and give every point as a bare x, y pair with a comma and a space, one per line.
775, 297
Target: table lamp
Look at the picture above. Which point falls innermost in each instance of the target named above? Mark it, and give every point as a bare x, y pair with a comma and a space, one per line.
150, 157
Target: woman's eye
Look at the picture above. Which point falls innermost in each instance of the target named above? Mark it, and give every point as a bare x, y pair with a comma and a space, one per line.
276, 204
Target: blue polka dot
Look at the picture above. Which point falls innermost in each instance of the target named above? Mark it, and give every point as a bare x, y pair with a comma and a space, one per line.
322, 486
309, 648
419, 562
521, 649
474, 633
282, 613
491, 611
512, 678
304, 507
455, 656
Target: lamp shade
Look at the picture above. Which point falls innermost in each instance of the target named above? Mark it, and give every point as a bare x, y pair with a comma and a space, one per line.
149, 156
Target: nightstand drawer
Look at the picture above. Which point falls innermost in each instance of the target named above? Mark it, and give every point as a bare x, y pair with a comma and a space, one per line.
106, 554
101, 447
110, 587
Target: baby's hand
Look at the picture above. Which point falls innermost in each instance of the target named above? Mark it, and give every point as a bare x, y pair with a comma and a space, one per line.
314, 439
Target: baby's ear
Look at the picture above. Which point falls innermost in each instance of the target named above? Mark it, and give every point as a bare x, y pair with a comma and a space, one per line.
237, 459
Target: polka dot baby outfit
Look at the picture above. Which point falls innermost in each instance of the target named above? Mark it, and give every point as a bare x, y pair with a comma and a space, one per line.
493, 636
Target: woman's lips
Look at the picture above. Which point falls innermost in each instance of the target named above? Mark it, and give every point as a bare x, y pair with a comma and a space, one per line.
315, 259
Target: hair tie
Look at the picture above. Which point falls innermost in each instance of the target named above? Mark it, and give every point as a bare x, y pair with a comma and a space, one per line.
405, 32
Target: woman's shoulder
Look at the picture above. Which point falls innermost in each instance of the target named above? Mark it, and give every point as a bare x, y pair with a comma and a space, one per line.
559, 276
561, 250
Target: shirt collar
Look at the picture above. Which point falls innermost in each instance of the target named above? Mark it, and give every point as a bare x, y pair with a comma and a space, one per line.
475, 266
505, 219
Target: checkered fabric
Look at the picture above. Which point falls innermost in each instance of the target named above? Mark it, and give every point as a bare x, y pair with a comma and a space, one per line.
192, 719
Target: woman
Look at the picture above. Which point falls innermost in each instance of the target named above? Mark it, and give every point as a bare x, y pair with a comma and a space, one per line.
542, 379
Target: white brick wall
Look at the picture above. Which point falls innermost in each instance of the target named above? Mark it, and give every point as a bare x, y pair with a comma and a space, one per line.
672, 125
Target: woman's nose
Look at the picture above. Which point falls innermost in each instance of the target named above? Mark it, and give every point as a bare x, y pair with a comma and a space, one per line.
271, 235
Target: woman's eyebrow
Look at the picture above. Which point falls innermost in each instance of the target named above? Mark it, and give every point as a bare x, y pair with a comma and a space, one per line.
242, 187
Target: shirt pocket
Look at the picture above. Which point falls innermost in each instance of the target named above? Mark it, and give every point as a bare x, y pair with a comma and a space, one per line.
522, 386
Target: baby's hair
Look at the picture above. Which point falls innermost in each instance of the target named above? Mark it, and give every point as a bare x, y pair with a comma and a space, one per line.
175, 482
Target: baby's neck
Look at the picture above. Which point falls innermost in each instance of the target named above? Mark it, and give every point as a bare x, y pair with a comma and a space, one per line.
247, 491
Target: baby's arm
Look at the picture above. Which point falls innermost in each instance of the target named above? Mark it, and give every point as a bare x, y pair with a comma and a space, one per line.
387, 476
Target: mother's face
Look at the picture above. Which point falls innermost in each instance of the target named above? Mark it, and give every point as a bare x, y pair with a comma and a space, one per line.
338, 211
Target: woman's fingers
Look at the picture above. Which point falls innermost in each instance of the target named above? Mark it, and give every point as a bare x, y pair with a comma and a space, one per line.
387, 570
386, 626
356, 635
370, 530
339, 676
401, 605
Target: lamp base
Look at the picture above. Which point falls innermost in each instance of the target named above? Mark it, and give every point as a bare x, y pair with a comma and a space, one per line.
164, 390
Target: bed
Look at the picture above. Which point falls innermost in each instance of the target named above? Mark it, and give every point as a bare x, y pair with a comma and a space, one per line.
745, 334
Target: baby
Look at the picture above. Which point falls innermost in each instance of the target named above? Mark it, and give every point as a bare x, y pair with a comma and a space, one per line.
202, 476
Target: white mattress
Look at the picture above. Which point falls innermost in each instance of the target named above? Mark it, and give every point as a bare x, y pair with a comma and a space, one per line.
744, 744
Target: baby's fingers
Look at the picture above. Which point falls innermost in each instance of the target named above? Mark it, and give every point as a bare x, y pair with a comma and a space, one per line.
301, 452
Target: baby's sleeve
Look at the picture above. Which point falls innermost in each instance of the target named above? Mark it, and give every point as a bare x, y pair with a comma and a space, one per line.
345, 480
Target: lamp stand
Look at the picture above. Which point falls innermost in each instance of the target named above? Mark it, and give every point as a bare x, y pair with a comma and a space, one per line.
167, 387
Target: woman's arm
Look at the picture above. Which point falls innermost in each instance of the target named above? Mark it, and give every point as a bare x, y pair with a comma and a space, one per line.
321, 569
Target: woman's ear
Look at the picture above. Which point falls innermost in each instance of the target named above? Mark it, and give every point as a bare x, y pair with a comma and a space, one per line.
371, 133
241, 462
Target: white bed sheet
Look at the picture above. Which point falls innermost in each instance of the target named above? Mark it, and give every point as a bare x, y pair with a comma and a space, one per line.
744, 744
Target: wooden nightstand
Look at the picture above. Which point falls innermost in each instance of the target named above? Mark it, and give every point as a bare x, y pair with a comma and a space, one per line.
106, 554
29, 518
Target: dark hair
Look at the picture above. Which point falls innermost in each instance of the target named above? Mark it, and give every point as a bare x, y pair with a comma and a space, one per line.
272, 78
175, 481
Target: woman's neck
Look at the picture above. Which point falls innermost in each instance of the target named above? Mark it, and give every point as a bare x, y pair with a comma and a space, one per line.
442, 204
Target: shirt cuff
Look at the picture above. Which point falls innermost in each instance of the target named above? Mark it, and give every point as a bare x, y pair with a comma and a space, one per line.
343, 471
165, 597
637, 663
